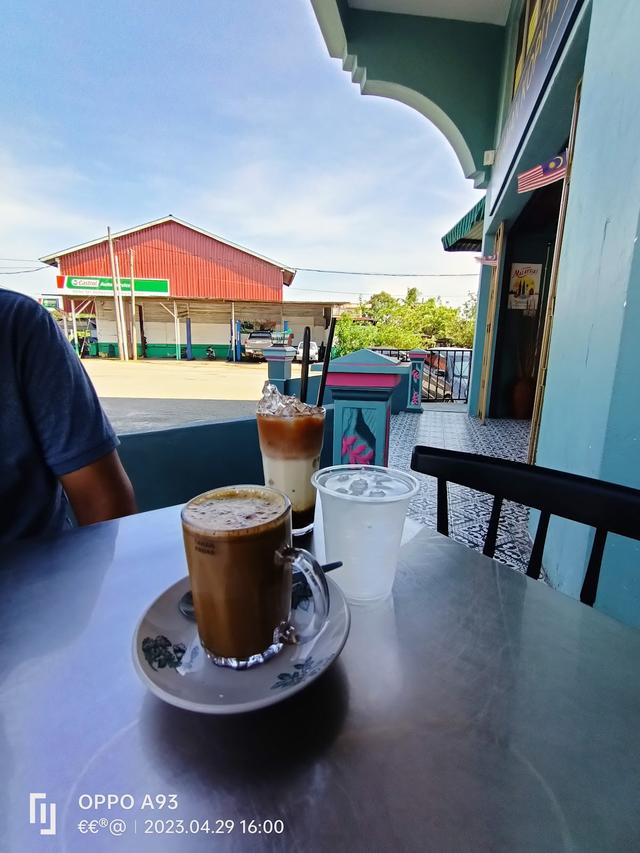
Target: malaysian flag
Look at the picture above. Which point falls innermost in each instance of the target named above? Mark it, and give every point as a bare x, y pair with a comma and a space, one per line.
545, 173
488, 260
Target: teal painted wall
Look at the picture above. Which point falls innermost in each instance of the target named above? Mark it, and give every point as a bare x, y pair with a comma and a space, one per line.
591, 416
169, 466
199, 351
509, 60
548, 133
455, 64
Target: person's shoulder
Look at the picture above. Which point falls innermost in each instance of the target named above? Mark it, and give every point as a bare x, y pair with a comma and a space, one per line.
23, 320
19, 306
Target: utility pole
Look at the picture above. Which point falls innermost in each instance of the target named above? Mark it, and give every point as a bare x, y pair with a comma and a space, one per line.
134, 345
123, 321
119, 331
74, 326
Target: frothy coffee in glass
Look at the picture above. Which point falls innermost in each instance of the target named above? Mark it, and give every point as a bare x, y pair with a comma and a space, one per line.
291, 435
241, 590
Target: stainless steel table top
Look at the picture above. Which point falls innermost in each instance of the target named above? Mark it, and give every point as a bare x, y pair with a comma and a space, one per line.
474, 711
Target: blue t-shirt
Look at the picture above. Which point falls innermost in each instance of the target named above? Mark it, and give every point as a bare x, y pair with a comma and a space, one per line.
51, 421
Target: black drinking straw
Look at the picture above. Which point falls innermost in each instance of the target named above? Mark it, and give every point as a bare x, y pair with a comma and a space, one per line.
325, 363
304, 380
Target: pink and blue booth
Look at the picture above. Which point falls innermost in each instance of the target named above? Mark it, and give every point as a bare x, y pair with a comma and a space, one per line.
361, 385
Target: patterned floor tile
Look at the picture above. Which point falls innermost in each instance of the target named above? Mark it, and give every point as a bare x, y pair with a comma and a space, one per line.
468, 510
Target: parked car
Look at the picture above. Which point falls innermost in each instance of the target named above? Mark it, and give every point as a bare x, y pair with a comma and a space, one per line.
257, 343
446, 374
313, 351
435, 389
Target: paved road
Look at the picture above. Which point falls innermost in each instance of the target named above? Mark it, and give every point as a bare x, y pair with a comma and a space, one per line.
182, 380
143, 414
145, 395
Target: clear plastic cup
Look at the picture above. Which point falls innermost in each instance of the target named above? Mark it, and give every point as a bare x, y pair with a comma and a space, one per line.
363, 514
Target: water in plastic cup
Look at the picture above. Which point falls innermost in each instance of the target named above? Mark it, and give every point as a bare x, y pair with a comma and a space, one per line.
363, 513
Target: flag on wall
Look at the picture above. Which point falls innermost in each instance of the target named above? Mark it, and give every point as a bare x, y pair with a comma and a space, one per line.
488, 260
543, 174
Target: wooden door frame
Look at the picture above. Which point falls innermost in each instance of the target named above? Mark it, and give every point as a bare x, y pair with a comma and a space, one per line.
489, 333
545, 345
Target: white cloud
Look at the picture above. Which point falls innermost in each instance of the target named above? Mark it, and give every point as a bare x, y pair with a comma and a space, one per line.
355, 215
263, 140
368, 207
37, 216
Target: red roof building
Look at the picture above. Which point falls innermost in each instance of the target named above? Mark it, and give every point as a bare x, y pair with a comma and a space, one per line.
190, 287
198, 265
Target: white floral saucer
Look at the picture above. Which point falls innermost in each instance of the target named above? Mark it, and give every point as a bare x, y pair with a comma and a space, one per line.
169, 659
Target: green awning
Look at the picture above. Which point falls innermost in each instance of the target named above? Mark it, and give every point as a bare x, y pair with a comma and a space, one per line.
466, 235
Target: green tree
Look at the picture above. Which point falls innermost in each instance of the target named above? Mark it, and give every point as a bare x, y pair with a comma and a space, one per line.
352, 334
387, 321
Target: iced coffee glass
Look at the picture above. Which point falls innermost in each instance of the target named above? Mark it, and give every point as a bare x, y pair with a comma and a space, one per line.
291, 435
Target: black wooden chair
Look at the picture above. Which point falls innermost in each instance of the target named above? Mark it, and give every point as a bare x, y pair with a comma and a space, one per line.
607, 507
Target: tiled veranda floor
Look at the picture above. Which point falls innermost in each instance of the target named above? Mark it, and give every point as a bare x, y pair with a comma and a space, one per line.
468, 510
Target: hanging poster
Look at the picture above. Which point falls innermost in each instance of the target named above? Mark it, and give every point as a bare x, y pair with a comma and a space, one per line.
524, 287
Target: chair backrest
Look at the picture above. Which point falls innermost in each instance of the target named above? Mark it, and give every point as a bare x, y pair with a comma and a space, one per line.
607, 507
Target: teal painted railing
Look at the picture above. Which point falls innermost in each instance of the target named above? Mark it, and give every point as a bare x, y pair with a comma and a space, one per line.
169, 466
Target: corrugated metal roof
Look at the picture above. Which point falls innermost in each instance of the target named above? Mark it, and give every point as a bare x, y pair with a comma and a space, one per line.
466, 235
197, 265
51, 259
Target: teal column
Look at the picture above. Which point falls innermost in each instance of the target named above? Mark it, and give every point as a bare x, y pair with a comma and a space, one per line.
484, 286
279, 359
591, 411
416, 373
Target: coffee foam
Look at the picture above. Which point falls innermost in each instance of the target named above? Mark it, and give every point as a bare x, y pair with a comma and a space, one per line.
234, 510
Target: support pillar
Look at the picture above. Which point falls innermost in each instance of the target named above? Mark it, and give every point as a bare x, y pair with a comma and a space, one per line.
416, 374
279, 360
238, 345
176, 321
189, 351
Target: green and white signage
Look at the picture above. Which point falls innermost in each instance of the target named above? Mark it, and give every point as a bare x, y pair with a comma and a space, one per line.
93, 285
51, 303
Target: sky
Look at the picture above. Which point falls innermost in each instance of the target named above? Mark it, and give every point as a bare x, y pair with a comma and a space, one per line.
232, 116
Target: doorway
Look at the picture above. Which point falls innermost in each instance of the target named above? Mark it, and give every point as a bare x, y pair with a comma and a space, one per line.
530, 244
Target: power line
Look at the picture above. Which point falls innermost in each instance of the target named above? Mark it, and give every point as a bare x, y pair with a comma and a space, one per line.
21, 272
171, 250
15, 267
167, 250
327, 290
393, 274
339, 272
26, 260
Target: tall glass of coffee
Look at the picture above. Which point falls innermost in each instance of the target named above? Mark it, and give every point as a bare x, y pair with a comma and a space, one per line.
238, 546
291, 435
